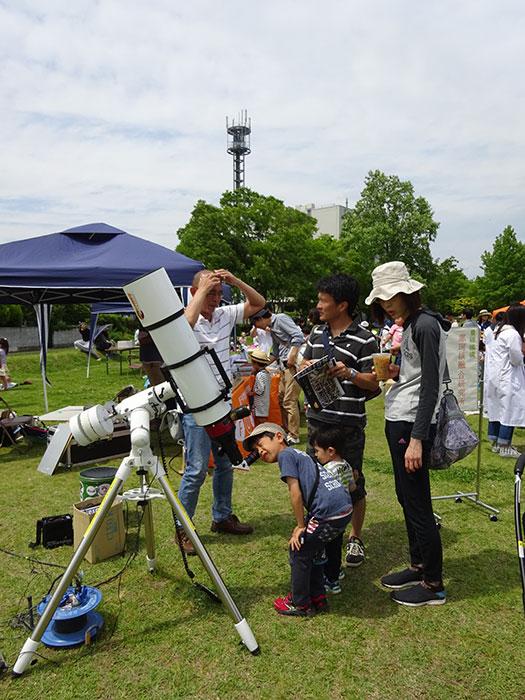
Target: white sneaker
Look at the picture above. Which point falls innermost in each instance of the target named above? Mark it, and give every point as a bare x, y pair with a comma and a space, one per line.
292, 441
495, 447
509, 451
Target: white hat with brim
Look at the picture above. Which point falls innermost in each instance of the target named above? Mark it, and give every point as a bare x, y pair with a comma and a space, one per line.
273, 428
484, 312
390, 279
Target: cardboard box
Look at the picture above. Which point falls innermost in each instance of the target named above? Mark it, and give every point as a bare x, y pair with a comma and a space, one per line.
111, 537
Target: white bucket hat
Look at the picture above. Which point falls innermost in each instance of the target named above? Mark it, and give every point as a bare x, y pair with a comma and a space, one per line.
390, 279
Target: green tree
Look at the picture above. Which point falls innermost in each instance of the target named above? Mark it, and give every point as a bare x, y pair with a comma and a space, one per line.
446, 285
503, 281
11, 315
389, 223
263, 242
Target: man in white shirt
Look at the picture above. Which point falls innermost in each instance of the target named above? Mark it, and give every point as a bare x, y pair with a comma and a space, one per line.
212, 325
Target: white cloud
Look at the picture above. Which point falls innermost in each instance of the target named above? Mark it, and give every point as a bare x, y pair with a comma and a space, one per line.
115, 110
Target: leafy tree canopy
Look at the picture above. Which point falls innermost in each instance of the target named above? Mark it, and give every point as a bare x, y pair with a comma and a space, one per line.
446, 286
262, 241
504, 279
389, 223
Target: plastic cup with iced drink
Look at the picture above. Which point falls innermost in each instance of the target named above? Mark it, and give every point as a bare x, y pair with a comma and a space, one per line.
381, 362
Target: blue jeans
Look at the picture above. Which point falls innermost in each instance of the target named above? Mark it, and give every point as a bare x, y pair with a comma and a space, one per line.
502, 434
198, 446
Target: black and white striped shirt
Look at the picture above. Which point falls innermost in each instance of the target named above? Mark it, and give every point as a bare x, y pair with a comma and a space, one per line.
354, 347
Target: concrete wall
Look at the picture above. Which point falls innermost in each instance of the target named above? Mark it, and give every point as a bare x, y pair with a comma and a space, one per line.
329, 219
26, 338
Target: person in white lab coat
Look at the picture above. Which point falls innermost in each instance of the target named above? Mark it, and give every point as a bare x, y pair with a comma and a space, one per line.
505, 382
489, 340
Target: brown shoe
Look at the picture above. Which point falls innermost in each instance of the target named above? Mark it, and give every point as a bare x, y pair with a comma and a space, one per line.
187, 546
232, 526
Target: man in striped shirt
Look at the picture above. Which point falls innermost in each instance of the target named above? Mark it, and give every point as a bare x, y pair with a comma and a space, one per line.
212, 325
352, 347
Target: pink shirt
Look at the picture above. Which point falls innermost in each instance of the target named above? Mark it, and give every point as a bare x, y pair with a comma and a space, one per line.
397, 334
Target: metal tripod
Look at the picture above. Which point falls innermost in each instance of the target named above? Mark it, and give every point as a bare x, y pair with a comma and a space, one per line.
142, 459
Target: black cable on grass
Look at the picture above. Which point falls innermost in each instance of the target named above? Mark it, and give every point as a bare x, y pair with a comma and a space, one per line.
178, 529
131, 556
36, 561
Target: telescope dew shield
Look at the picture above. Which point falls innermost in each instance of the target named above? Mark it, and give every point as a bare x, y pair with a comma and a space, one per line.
161, 312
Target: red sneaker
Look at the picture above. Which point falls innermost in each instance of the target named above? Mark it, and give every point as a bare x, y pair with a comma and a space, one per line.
320, 604
285, 606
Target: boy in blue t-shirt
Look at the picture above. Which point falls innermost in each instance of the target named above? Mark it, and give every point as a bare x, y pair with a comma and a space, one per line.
328, 511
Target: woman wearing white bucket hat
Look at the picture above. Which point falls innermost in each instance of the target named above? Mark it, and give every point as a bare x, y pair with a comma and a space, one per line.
410, 414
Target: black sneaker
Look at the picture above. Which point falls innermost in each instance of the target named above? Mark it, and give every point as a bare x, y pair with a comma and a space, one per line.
355, 552
403, 579
419, 595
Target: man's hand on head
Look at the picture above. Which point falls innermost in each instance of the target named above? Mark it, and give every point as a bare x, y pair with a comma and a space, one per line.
207, 283
226, 276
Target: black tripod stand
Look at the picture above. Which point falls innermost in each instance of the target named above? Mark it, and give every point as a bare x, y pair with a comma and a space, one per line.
519, 523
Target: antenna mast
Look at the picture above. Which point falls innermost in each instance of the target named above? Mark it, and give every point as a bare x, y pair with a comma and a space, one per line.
239, 145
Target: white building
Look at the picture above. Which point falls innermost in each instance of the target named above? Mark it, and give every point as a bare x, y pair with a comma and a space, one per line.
328, 218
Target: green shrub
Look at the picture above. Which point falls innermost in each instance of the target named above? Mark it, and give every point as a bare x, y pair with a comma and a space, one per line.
11, 315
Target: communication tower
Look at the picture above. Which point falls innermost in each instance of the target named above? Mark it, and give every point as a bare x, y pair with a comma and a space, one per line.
239, 145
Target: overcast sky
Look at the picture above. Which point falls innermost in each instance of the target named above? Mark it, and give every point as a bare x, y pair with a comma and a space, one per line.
114, 110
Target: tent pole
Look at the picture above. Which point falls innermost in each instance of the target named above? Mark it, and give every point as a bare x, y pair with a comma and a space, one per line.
45, 389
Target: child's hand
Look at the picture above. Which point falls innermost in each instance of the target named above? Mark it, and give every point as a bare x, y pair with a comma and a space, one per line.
295, 541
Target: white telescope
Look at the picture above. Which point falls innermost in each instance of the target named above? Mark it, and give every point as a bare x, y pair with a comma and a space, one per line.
161, 313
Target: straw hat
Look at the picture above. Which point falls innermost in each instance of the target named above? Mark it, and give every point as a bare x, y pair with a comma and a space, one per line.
259, 356
484, 312
390, 279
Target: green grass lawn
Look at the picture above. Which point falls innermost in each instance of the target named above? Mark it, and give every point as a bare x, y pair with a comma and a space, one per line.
164, 639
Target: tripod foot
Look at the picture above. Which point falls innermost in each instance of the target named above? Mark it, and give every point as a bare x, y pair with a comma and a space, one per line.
152, 564
24, 658
246, 635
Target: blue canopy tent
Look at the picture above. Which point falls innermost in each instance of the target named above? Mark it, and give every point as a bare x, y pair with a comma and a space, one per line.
84, 264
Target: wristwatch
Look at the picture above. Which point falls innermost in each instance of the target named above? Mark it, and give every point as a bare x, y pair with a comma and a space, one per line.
353, 372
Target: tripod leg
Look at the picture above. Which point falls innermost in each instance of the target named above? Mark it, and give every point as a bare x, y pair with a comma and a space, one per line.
151, 558
242, 627
32, 642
